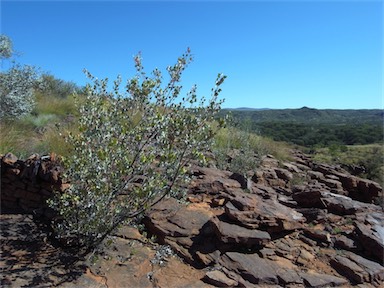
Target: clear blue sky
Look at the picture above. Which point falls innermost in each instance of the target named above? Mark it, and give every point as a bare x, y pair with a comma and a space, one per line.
276, 54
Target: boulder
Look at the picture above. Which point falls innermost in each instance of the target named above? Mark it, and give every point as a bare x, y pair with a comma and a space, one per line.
268, 176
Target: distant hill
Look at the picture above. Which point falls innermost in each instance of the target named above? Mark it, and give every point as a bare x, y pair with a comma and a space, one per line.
309, 115
309, 126
246, 109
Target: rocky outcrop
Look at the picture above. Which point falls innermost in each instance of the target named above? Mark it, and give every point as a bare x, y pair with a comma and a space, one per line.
288, 224
26, 185
295, 224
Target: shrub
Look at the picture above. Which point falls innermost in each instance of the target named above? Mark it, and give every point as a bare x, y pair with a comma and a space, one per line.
16, 85
6, 49
131, 151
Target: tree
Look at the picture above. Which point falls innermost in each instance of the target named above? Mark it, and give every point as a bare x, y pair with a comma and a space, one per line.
6, 47
16, 85
132, 150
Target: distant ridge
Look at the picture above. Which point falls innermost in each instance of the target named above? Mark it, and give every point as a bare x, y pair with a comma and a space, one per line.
247, 109
301, 108
309, 115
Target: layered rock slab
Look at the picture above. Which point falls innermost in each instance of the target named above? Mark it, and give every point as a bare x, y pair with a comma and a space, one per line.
250, 267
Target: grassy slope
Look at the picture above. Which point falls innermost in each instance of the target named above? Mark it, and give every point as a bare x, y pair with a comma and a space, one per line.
37, 133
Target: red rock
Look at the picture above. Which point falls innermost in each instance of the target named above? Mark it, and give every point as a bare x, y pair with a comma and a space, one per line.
371, 239
318, 235
180, 226
374, 270
175, 273
9, 159
269, 161
289, 277
315, 175
284, 174
367, 190
269, 215
309, 198
291, 167
265, 192
321, 280
250, 267
244, 202
208, 258
349, 269
343, 205
333, 184
64, 186
234, 234
218, 202
344, 242
219, 279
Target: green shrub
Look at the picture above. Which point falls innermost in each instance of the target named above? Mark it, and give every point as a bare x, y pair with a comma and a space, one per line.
6, 47
16, 96
16, 85
131, 150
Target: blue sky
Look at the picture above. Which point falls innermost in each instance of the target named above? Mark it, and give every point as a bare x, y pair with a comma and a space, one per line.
276, 54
